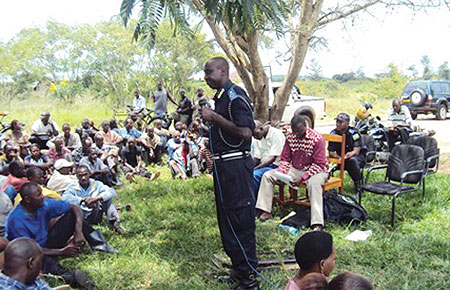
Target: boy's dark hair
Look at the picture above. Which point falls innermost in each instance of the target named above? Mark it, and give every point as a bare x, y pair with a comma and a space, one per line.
313, 247
350, 281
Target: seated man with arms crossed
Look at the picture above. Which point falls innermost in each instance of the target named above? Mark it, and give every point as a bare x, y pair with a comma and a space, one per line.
94, 197
269, 142
31, 218
304, 159
23, 259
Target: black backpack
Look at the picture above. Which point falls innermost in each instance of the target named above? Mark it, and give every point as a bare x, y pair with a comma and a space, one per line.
342, 208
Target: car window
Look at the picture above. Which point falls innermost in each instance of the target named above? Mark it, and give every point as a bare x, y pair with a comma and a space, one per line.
436, 88
445, 88
414, 86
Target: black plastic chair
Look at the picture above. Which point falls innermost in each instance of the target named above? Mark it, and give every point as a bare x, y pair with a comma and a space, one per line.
431, 151
405, 170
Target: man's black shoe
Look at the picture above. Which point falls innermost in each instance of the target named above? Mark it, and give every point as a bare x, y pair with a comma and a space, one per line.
248, 281
78, 279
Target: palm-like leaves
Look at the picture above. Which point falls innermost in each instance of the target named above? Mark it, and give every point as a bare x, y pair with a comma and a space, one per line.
242, 16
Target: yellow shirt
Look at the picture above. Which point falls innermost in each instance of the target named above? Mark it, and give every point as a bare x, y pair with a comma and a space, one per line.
48, 193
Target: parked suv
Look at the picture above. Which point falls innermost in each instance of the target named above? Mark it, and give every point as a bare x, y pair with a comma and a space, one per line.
423, 97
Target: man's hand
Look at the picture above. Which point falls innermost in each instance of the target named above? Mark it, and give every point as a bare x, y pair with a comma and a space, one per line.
79, 240
207, 114
91, 201
296, 181
70, 251
348, 155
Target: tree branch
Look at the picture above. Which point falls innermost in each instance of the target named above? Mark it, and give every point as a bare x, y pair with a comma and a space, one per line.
341, 14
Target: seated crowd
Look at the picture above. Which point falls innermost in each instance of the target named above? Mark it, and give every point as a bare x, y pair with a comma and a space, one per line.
55, 186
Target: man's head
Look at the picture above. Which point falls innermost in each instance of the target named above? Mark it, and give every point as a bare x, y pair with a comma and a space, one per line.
45, 117
86, 123
131, 142
176, 136
23, 257
200, 91
259, 130
136, 93
216, 72
66, 129
10, 151
35, 151
92, 154
350, 281
16, 125
158, 124
31, 194
314, 252
58, 143
396, 105
98, 139
35, 174
63, 166
129, 123
179, 126
105, 126
342, 122
159, 85
298, 125
183, 93
86, 144
83, 175
17, 169
150, 131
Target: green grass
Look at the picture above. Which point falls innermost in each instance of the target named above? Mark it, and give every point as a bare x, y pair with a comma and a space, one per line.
173, 234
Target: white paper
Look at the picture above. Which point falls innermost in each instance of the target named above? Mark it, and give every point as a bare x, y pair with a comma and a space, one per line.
359, 236
285, 178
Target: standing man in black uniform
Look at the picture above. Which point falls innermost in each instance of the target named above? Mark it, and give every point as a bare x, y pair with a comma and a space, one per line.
231, 130
354, 157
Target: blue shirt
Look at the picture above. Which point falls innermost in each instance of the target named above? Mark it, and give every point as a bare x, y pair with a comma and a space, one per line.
74, 193
125, 134
9, 283
172, 145
21, 224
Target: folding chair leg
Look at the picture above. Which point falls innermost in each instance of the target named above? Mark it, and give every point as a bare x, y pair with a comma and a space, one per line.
393, 212
423, 188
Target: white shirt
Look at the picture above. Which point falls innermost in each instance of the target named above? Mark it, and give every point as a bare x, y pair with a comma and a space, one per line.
59, 182
271, 145
403, 117
139, 102
39, 127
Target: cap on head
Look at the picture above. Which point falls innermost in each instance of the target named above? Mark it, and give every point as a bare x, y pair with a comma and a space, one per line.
62, 163
343, 117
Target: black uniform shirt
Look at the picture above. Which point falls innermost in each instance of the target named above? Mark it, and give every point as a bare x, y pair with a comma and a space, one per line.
241, 114
352, 140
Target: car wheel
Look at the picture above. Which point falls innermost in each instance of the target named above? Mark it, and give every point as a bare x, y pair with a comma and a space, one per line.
441, 113
417, 97
413, 115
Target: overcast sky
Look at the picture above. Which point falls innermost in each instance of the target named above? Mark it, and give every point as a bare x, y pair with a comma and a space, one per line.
370, 43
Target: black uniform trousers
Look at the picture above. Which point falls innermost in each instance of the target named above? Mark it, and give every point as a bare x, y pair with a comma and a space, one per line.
353, 166
236, 211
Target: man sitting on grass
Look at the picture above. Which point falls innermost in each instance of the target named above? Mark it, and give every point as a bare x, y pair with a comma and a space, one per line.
62, 177
71, 141
58, 151
129, 131
95, 199
184, 161
163, 133
83, 151
66, 237
132, 161
109, 154
15, 179
10, 153
35, 174
37, 159
23, 259
98, 170
150, 142
110, 137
